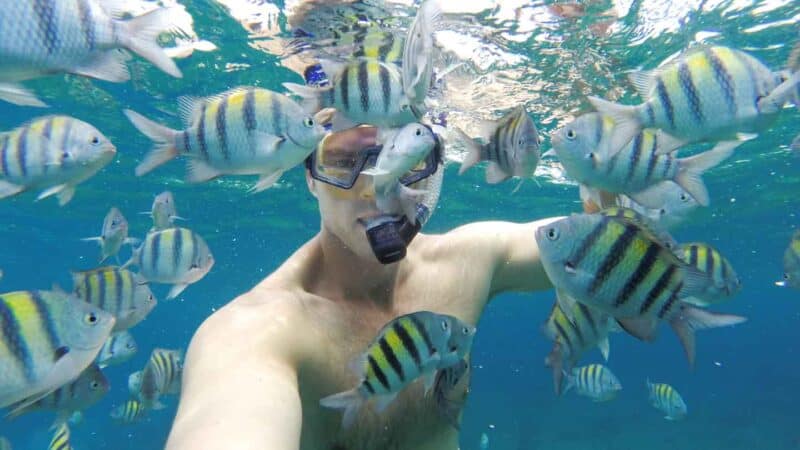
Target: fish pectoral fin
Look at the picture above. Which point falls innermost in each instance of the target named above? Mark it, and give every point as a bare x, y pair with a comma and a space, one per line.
64, 192
176, 290
667, 143
566, 303
110, 65
643, 80
429, 379
198, 171
18, 95
495, 174
643, 328
265, 181
66, 368
266, 143
8, 189
605, 347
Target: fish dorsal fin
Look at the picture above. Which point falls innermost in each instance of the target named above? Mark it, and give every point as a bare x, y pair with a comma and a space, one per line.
643, 81
645, 224
189, 108
331, 68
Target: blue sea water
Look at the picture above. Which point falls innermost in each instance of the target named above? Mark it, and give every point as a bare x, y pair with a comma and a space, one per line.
743, 394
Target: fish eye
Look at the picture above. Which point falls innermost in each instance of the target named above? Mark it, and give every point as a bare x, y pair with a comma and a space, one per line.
65, 155
786, 276
309, 122
553, 234
684, 197
445, 325
590, 155
129, 345
95, 140
465, 330
94, 385
194, 266
90, 318
418, 132
571, 135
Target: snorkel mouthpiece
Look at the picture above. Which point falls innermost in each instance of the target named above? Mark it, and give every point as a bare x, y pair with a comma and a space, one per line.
389, 235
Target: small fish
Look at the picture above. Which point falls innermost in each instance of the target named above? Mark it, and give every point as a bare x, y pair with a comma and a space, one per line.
791, 263
361, 91
74, 36
619, 267
51, 153
176, 256
49, 339
117, 291
582, 147
512, 147
403, 150
418, 53
673, 205
161, 376
405, 349
90, 386
60, 439
667, 400
595, 381
135, 383
5, 444
709, 93
243, 131
163, 212
573, 335
113, 235
484, 443
443, 390
119, 348
372, 42
129, 412
724, 281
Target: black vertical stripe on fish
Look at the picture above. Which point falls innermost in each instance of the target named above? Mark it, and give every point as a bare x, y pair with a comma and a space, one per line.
613, 258
640, 274
578, 333
22, 151
563, 333
751, 75
588, 243
118, 286
195, 249
16, 343
424, 333
177, 247
201, 133
276, 110
667, 166
47, 130
588, 315
652, 159
222, 131
663, 97
384, 49
187, 141
388, 353
710, 262
408, 343
723, 79
102, 290
651, 115
45, 319
345, 87
249, 111
369, 387
690, 92
4, 154
87, 24
386, 86
670, 301
637, 151
693, 255
598, 128
45, 11
86, 288
658, 289
363, 85
376, 369
154, 252
65, 141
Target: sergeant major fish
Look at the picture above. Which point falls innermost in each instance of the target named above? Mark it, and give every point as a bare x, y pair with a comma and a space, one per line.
667, 400
113, 235
619, 267
243, 131
672, 205
791, 263
129, 412
73, 36
724, 281
119, 348
176, 256
52, 153
163, 212
120, 292
595, 381
60, 440
161, 376
49, 339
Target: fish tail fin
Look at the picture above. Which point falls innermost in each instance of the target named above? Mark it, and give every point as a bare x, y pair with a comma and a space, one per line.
18, 95
690, 175
312, 98
474, 151
141, 37
570, 381
626, 121
691, 319
163, 137
350, 401
555, 360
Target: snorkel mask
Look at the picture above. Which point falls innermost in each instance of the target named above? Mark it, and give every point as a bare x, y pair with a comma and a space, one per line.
388, 234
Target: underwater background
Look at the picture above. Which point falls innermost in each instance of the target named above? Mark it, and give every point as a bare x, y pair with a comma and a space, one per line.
743, 392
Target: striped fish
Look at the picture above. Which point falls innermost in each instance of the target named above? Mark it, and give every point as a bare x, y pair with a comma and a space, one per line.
90, 386
129, 412
46, 340
445, 389
644, 222
709, 93
582, 147
619, 267
361, 91
791, 263
667, 400
512, 147
119, 348
405, 349
370, 42
117, 291
176, 256
60, 439
161, 376
673, 205
244, 131
51, 153
595, 381
113, 234
42, 37
135, 383
163, 212
573, 335
724, 281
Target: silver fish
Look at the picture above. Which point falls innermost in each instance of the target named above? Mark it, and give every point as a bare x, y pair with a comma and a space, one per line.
673, 205
119, 348
113, 235
118, 291
595, 381
667, 400
163, 212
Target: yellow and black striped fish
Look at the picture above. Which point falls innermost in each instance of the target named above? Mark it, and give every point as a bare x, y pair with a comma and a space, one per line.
405, 349
129, 412
46, 340
667, 400
51, 153
370, 42
60, 439
118, 291
161, 375
791, 263
724, 281
595, 381
618, 267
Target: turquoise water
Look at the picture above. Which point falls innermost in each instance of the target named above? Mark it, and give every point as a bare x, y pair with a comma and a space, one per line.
742, 394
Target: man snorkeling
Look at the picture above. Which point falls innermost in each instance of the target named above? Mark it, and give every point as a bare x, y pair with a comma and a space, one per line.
257, 368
